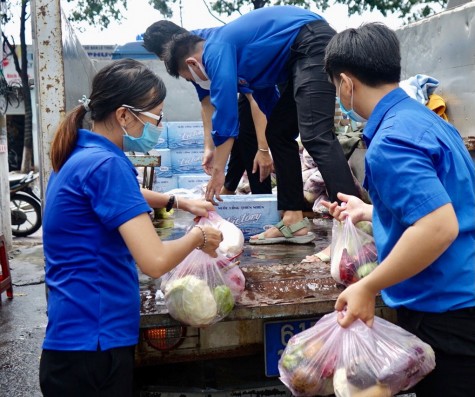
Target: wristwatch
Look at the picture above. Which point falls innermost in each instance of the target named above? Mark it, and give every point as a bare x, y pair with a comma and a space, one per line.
170, 203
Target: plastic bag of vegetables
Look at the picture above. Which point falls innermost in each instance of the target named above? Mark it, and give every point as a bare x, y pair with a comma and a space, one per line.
195, 292
308, 362
353, 252
357, 361
232, 275
233, 237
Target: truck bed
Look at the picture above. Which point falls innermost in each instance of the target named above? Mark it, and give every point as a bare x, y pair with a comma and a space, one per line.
278, 285
238, 355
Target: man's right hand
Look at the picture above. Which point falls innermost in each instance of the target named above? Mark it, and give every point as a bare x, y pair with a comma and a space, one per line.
207, 162
213, 189
350, 206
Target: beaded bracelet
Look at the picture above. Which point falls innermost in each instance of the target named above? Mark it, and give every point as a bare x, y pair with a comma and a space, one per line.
205, 240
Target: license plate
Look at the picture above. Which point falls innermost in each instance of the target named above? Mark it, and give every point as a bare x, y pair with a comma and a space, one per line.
276, 336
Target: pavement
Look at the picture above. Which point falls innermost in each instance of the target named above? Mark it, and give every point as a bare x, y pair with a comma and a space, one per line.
23, 319
27, 260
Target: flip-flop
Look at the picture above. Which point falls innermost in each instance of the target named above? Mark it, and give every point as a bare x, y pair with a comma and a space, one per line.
288, 235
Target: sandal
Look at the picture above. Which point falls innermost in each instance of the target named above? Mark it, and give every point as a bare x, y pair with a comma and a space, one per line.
288, 234
319, 256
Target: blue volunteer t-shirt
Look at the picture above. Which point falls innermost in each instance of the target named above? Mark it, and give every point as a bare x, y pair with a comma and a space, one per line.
249, 54
415, 163
92, 278
266, 97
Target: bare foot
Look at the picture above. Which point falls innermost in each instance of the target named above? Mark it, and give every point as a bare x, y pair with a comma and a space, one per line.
322, 256
225, 191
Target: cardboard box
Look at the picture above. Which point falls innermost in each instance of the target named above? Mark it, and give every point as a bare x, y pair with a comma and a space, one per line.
185, 134
187, 160
250, 212
163, 185
191, 181
163, 139
165, 169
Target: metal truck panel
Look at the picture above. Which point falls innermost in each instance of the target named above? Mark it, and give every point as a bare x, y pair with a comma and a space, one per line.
443, 47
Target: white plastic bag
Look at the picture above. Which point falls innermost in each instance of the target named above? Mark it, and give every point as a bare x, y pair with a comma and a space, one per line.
232, 275
353, 252
357, 361
195, 291
233, 237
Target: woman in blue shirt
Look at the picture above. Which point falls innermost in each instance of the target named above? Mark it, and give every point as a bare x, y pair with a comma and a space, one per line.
96, 230
421, 181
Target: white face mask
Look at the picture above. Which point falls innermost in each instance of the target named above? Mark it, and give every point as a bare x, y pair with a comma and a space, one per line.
205, 84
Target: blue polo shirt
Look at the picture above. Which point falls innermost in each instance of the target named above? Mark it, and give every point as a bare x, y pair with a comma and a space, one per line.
266, 98
92, 278
249, 54
415, 163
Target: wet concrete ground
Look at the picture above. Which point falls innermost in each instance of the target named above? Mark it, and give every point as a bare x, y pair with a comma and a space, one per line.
23, 320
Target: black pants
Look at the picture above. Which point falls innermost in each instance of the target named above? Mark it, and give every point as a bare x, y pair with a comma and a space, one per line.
106, 373
243, 152
307, 106
452, 337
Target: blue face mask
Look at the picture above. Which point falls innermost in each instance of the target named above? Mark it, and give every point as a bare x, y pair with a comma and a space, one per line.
350, 113
150, 133
144, 143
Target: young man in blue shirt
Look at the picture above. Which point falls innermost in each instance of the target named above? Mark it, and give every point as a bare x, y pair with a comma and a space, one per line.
156, 38
272, 46
421, 181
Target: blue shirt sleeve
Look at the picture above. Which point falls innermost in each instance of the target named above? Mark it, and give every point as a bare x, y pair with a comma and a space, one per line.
115, 192
220, 64
202, 93
266, 98
418, 190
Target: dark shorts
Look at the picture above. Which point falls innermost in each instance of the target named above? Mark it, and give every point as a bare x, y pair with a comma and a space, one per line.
107, 373
452, 336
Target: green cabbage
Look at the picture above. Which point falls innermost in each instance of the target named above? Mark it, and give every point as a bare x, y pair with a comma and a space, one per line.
189, 300
224, 299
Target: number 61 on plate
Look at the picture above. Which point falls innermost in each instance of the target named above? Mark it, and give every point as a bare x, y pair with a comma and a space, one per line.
276, 336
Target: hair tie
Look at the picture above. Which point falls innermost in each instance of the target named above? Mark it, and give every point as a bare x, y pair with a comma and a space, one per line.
85, 101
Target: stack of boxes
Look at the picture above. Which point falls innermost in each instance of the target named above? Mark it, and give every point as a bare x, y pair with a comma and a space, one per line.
181, 148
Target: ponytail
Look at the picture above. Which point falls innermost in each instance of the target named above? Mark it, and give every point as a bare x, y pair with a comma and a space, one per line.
65, 137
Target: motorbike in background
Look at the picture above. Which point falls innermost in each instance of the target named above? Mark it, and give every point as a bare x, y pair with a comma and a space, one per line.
25, 203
